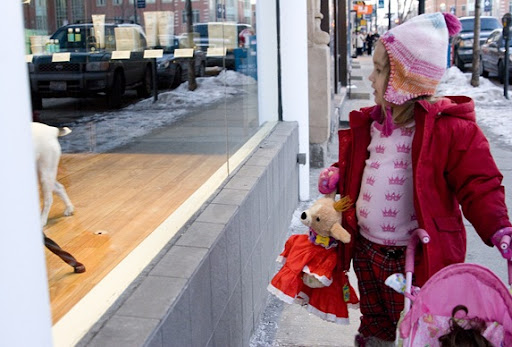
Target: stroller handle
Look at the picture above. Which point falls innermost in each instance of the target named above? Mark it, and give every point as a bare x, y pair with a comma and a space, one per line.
417, 236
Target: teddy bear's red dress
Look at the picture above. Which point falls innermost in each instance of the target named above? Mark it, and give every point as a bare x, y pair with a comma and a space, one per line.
317, 256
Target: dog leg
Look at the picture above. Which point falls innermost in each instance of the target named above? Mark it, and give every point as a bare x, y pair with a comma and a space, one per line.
47, 190
61, 192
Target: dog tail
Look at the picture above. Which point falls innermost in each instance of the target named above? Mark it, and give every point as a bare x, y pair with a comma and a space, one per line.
64, 131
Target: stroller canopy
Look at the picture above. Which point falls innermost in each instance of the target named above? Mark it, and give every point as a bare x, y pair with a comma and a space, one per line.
471, 285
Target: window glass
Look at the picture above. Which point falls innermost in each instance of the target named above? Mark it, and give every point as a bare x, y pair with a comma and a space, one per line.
135, 157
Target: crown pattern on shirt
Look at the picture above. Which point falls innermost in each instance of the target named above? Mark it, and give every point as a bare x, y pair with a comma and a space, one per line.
370, 180
389, 242
367, 197
388, 228
413, 217
397, 180
363, 212
403, 148
374, 164
407, 131
389, 212
393, 196
403, 165
380, 149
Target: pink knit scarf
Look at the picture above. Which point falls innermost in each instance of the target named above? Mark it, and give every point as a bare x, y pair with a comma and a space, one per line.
387, 124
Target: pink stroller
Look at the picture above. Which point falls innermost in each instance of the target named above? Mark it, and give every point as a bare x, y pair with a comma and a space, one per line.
477, 288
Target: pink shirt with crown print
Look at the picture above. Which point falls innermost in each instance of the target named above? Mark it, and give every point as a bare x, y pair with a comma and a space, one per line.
385, 208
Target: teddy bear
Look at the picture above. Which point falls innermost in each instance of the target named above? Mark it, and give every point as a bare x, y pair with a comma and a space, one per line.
309, 275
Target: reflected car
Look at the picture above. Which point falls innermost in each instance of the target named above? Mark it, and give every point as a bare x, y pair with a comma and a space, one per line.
492, 56
219, 35
462, 43
90, 69
171, 71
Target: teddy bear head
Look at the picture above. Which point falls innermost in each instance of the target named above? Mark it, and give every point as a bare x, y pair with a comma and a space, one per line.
324, 218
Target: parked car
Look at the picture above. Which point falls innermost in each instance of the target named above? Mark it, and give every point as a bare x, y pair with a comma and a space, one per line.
492, 56
223, 39
462, 43
90, 69
172, 71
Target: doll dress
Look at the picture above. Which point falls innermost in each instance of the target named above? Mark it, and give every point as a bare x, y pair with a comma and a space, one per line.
304, 254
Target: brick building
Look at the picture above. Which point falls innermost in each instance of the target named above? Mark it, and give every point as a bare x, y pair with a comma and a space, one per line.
48, 15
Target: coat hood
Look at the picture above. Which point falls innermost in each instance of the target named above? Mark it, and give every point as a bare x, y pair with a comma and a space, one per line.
455, 106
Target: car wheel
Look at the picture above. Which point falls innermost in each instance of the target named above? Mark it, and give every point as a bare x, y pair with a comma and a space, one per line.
176, 81
37, 101
483, 72
144, 90
115, 94
501, 72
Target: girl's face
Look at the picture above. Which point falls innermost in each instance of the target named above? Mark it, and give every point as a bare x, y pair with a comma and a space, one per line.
380, 74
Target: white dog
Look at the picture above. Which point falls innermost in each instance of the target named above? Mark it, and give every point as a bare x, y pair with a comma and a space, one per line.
47, 152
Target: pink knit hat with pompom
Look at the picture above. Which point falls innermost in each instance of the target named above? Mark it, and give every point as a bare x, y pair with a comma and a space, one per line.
417, 51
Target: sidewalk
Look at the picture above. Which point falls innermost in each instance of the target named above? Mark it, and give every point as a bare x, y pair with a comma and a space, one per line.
291, 325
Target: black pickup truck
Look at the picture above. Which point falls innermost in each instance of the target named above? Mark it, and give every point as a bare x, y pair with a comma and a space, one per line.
91, 69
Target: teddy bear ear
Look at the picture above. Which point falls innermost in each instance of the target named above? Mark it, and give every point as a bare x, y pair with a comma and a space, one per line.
343, 204
339, 233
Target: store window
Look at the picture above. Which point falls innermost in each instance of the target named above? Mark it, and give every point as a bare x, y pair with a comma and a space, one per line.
136, 157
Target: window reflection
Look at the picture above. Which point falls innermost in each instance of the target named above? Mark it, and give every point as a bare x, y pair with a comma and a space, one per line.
136, 153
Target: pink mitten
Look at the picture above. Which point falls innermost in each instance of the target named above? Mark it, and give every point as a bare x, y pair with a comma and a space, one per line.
501, 239
328, 180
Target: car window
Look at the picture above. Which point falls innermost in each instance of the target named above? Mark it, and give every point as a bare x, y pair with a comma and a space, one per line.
73, 39
486, 24
489, 24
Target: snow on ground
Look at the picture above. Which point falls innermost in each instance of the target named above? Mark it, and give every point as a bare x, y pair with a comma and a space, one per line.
104, 131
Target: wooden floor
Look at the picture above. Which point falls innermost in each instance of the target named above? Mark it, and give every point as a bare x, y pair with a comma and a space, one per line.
119, 199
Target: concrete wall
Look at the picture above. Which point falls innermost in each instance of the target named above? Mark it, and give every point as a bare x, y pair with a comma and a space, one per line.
208, 287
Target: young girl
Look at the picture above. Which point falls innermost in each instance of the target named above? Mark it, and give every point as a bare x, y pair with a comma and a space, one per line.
409, 162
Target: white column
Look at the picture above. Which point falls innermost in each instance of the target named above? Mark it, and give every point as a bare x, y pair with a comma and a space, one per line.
24, 303
294, 77
266, 35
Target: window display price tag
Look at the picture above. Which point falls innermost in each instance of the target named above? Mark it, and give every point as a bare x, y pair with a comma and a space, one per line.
121, 54
184, 53
216, 52
153, 53
60, 57
29, 58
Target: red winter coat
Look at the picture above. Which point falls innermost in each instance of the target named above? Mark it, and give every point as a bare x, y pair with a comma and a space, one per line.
452, 166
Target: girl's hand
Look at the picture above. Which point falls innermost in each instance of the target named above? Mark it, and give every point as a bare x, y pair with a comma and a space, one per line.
328, 180
502, 240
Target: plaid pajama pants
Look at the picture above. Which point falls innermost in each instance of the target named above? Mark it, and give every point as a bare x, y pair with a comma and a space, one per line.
380, 305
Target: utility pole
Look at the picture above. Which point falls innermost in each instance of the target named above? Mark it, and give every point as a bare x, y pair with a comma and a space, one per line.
389, 14
475, 64
135, 11
421, 6
192, 84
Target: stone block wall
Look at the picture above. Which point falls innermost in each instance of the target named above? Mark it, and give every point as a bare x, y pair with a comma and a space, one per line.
208, 287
